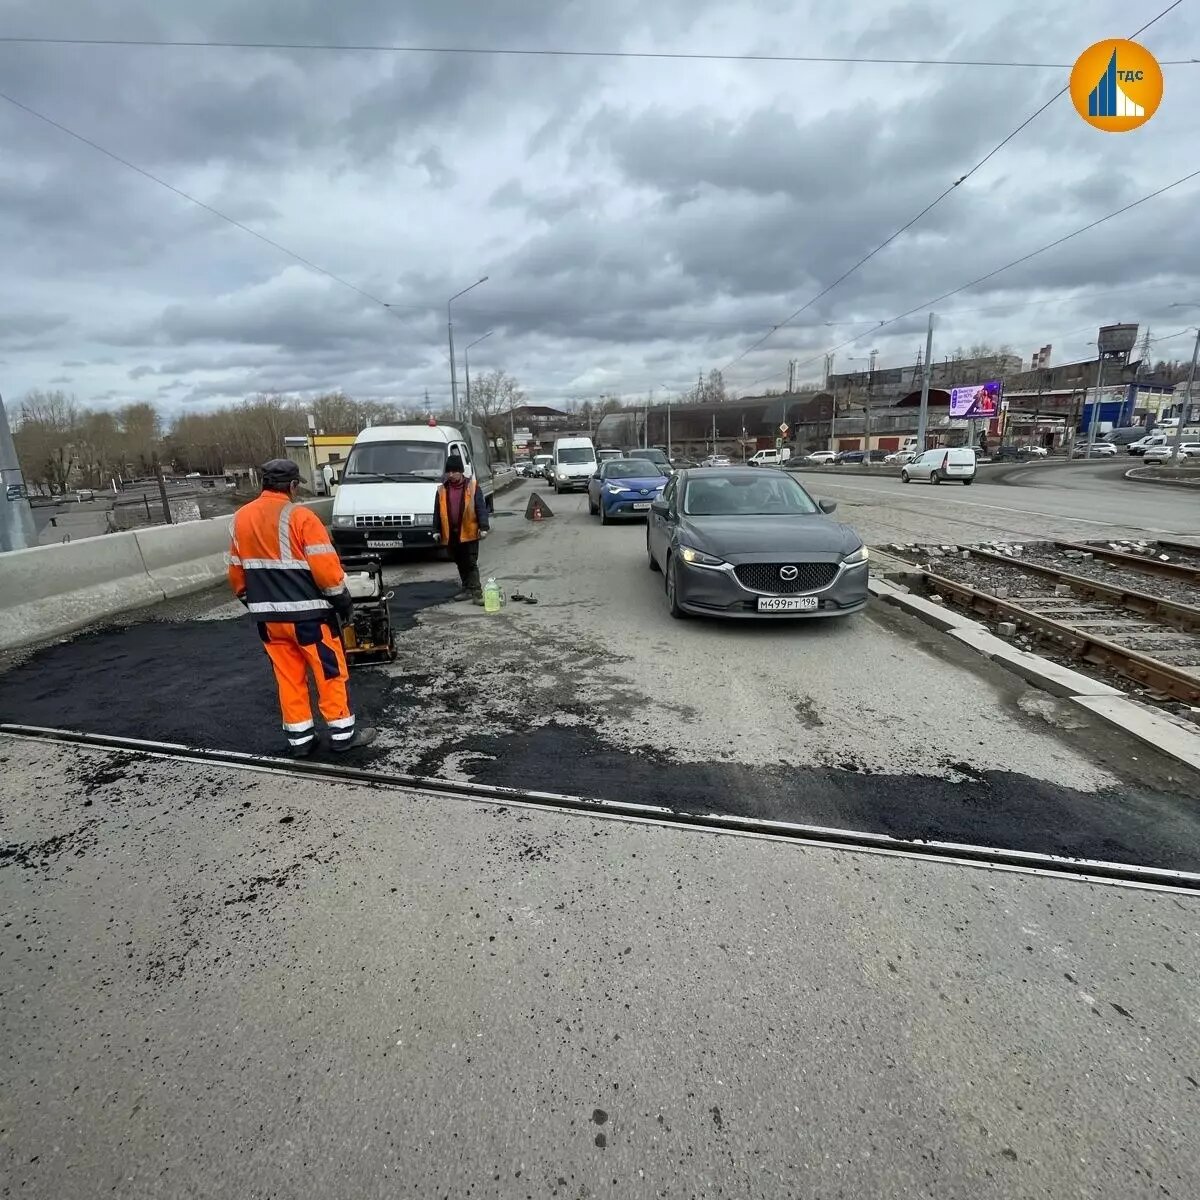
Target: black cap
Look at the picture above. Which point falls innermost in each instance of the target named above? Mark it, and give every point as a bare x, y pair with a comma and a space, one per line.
279, 472
454, 463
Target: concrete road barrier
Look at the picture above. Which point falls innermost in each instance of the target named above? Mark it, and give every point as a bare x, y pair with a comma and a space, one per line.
49, 591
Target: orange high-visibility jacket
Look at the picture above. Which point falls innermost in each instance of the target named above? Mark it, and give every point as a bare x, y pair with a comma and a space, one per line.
474, 513
281, 559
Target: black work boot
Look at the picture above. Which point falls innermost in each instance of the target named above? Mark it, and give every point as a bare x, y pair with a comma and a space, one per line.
307, 750
364, 735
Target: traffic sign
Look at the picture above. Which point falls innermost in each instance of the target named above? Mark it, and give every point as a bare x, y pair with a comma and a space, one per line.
783, 428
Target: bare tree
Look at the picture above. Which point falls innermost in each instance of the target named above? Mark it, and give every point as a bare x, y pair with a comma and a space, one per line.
493, 396
45, 435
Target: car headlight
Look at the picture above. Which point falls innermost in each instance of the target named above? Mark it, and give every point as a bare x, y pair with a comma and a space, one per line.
343, 520
859, 556
615, 489
697, 558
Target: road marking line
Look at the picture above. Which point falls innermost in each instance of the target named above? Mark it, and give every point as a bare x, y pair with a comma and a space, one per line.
1008, 508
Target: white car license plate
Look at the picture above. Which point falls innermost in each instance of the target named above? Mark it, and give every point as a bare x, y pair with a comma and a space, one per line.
640, 507
385, 543
787, 603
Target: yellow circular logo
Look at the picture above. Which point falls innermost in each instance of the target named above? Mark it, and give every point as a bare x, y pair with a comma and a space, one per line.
1116, 85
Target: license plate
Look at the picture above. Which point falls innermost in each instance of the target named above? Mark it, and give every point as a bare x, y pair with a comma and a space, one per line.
639, 507
385, 543
787, 603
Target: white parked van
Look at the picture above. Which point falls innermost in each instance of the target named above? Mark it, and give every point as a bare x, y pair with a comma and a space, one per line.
770, 458
574, 464
386, 491
936, 466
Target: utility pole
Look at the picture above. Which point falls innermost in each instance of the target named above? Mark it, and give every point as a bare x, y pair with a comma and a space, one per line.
791, 375
17, 530
450, 334
162, 491
714, 442
926, 373
866, 458
1184, 410
1095, 414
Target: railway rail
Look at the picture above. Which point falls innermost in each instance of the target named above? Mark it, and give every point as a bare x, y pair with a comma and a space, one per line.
1184, 572
981, 857
1096, 622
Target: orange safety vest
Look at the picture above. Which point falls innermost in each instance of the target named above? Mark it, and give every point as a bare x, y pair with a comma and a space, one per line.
281, 560
468, 529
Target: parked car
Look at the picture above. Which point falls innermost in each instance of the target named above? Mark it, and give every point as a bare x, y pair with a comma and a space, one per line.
1161, 454
936, 466
821, 457
716, 460
901, 456
743, 543
1096, 450
1125, 435
856, 456
1017, 453
1036, 451
769, 458
625, 487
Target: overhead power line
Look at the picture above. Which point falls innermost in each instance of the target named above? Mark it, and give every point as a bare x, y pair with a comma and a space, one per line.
216, 212
866, 258
1008, 266
541, 52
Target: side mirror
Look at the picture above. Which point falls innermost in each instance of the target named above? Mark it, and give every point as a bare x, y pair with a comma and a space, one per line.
660, 508
827, 506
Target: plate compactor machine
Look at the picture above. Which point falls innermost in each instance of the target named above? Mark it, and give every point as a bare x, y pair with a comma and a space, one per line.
367, 636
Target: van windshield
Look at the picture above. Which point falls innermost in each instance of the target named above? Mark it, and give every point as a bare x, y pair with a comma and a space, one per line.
576, 454
397, 461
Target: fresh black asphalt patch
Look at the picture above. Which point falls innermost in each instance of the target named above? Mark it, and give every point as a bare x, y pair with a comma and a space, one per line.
207, 683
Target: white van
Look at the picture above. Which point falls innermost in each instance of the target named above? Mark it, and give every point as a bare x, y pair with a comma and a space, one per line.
770, 458
386, 491
574, 464
935, 466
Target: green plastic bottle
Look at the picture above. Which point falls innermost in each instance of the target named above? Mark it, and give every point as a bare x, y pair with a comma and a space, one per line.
491, 596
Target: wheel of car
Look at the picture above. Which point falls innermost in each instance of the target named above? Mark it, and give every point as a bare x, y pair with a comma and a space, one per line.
672, 583
905, 477
650, 554
968, 482
935, 477
592, 510
604, 518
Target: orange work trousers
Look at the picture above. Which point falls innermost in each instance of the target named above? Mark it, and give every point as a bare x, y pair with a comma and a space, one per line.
295, 651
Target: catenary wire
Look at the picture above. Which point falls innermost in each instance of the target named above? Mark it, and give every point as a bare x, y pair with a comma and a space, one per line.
866, 258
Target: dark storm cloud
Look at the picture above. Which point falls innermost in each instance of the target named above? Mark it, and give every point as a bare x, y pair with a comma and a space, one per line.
638, 221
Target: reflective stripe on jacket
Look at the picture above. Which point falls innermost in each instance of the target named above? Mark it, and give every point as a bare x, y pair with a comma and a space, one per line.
281, 560
474, 513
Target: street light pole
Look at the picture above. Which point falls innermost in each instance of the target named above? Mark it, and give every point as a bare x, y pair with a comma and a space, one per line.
467, 363
1095, 403
450, 334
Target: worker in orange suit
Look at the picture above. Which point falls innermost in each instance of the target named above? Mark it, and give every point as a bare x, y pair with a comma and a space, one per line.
283, 568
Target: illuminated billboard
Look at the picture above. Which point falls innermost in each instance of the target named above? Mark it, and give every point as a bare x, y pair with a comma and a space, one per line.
980, 400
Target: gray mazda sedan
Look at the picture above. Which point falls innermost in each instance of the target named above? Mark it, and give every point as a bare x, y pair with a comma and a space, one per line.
740, 542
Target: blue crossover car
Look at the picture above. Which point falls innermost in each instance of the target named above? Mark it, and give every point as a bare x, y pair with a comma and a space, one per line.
625, 487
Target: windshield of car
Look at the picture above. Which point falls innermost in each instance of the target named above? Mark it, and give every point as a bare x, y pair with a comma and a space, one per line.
396, 461
576, 454
738, 496
631, 468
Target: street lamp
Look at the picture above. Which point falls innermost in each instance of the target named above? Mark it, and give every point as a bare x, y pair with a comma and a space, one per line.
1186, 407
467, 361
450, 332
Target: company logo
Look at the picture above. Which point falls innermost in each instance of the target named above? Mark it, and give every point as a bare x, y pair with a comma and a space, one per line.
1116, 85
788, 573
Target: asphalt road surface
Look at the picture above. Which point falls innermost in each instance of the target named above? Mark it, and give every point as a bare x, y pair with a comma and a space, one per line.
1076, 501
223, 982
220, 983
873, 722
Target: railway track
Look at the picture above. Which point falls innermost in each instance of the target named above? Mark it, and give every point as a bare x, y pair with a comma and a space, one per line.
1183, 572
959, 854
1150, 640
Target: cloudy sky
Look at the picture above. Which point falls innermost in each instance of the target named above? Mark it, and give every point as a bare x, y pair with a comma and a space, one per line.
639, 219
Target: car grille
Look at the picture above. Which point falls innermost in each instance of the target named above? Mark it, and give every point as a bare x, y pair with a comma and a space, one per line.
764, 577
393, 521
